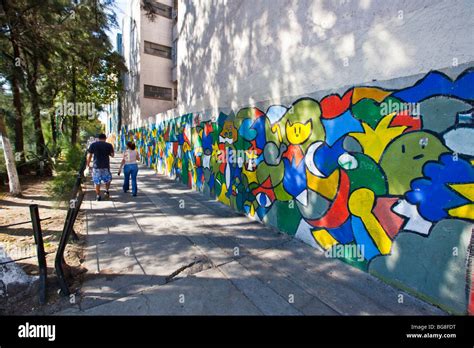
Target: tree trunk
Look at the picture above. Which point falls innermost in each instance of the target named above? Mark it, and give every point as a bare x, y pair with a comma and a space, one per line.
13, 179
35, 108
74, 128
15, 83
54, 128
19, 148
32, 76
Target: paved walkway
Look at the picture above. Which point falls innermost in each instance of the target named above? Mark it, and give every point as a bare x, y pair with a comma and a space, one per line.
171, 251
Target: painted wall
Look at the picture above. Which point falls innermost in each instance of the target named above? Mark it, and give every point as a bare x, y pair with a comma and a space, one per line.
234, 53
381, 178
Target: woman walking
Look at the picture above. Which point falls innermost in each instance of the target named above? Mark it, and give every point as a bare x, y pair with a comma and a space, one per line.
130, 167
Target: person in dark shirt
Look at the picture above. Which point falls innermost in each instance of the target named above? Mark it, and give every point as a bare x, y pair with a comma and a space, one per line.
101, 167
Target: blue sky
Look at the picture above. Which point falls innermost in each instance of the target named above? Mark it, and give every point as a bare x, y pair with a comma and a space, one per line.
121, 10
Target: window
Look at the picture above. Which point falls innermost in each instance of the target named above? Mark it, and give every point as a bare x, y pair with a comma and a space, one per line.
174, 55
162, 9
157, 50
156, 92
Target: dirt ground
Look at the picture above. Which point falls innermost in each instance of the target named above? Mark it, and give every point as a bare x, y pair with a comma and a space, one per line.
20, 238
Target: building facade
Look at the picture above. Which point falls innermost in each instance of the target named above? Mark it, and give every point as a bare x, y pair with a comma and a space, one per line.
147, 47
347, 124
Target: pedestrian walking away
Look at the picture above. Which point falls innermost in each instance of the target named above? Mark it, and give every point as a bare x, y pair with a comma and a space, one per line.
101, 150
130, 168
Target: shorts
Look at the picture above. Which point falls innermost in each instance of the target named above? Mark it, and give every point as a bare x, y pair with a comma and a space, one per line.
101, 174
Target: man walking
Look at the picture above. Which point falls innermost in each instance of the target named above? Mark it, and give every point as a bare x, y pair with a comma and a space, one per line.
101, 168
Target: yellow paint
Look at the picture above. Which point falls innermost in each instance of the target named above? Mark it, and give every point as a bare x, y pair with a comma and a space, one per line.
250, 174
465, 211
374, 141
169, 163
215, 150
326, 187
374, 93
361, 203
229, 131
298, 132
276, 129
222, 197
186, 147
324, 238
466, 190
252, 210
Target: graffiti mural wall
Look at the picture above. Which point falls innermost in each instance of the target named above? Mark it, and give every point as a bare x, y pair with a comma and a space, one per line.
382, 179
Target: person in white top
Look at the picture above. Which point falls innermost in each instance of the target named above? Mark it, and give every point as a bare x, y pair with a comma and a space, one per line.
130, 167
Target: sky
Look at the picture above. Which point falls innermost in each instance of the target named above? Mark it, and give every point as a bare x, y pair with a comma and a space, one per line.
121, 10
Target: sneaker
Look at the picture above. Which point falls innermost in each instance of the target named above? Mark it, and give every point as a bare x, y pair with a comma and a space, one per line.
107, 194
98, 198
134, 195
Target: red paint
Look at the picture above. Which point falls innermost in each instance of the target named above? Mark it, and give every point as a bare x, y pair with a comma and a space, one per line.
186, 139
269, 192
208, 128
390, 222
257, 112
294, 153
190, 180
405, 119
338, 212
333, 105
222, 157
253, 148
471, 301
267, 184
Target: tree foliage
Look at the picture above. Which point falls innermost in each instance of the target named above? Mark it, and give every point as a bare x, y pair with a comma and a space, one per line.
55, 52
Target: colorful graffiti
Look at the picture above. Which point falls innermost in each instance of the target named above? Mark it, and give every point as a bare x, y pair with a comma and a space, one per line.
388, 171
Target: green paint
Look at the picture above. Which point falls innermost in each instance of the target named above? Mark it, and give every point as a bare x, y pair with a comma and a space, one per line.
275, 173
441, 279
281, 194
371, 112
367, 168
288, 216
403, 159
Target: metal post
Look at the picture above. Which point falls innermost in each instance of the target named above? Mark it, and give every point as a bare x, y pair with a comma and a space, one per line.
43, 275
59, 260
68, 228
80, 198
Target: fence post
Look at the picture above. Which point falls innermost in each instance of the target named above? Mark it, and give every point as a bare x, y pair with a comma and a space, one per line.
68, 228
43, 270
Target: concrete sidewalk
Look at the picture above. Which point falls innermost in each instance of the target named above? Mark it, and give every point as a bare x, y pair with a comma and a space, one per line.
171, 251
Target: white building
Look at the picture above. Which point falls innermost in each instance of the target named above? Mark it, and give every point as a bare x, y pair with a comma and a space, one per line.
147, 50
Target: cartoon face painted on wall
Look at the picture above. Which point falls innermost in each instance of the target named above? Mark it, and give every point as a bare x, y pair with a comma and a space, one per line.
301, 124
228, 133
403, 159
298, 132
